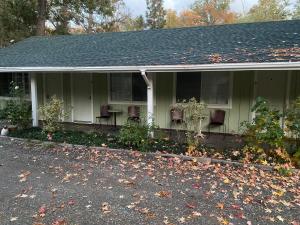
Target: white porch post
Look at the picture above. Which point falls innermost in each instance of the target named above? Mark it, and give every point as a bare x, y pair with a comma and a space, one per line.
150, 104
34, 100
150, 98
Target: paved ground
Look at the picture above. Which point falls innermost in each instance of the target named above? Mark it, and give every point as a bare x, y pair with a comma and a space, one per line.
46, 184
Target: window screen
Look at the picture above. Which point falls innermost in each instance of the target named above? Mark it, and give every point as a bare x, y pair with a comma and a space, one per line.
215, 88
128, 87
20, 79
209, 87
188, 86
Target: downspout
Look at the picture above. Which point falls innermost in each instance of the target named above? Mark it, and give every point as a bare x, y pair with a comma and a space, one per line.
150, 98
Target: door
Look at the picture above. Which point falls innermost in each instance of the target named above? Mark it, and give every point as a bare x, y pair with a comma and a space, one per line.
82, 99
272, 86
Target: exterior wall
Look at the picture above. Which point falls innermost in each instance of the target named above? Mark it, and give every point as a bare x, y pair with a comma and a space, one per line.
281, 87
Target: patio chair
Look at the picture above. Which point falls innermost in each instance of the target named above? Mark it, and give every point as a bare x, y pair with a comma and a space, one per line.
134, 113
104, 114
217, 118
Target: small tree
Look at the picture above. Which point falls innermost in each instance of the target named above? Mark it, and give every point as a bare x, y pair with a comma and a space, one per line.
53, 114
18, 109
193, 116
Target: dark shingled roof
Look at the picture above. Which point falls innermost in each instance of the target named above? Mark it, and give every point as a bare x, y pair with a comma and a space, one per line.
238, 43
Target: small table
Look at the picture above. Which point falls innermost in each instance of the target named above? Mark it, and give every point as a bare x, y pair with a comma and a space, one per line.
114, 112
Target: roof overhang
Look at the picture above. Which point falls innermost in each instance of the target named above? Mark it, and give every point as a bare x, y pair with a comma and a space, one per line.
164, 68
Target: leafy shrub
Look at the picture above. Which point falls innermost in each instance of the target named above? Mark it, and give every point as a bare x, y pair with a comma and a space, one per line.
264, 136
136, 135
292, 123
3, 113
18, 109
52, 113
193, 116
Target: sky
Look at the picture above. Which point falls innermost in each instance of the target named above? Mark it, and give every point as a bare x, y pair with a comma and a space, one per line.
138, 7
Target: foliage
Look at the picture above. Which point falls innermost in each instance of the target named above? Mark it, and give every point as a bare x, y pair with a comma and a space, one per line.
292, 123
18, 108
193, 116
155, 14
266, 127
52, 113
296, 13
3, 113
267, 10
264, 136
213, 12
17, 20
133, 24
136, 135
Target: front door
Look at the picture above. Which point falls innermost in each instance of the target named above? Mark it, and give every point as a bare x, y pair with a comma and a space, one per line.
82, 100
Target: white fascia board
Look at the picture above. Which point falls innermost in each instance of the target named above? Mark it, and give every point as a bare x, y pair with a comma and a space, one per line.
164, 68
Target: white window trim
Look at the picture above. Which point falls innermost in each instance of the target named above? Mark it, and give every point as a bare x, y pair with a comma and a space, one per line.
138, 103
209, 106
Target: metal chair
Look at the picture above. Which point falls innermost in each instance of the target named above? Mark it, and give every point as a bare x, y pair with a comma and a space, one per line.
134, 113
104, 113
217, 118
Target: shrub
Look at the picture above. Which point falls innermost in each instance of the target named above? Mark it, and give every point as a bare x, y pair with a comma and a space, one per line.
52, 113
193, 116
264, 136
292, 123
18, 109
136, 135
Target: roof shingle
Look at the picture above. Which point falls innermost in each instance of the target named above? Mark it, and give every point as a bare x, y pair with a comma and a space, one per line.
238, 43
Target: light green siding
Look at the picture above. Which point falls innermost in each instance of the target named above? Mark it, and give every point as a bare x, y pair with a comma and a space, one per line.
272, 85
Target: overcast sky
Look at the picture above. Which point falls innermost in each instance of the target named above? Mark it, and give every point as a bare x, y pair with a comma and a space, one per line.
138, 7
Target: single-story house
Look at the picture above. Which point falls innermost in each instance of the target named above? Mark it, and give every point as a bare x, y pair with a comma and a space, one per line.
225, 66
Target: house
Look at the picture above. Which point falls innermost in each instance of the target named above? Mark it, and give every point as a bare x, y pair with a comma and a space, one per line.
226, 66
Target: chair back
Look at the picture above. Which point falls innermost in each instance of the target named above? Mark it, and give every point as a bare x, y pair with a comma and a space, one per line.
176, 114
217, 117
104, 111
133, 111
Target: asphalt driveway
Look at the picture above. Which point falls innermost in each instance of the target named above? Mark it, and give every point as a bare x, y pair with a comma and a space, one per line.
43, 184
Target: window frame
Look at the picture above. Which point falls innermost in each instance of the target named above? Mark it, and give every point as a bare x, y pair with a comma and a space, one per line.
209, 106
143, 103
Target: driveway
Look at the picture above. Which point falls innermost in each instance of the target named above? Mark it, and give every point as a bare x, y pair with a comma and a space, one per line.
45, 184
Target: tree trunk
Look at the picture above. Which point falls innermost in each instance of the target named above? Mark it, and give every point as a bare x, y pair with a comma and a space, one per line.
90, 23
41, 23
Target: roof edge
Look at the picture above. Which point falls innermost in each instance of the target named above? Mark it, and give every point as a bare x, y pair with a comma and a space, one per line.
164, 68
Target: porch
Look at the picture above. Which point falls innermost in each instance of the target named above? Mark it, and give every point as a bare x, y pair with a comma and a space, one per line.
83, 93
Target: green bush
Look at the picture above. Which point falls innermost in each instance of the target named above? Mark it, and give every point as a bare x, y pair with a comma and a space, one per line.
52, 113
136, 135
18, 109
292, 123
264, 136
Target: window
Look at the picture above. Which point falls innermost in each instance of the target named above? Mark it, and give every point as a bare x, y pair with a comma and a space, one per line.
21, 79
212, 88
128, 87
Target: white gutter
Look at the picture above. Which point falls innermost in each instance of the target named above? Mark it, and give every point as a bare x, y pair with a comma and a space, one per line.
164, 68
143, 73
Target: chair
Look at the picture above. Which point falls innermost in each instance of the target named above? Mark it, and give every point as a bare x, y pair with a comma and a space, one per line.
217, 118
176, 115
104, 113
134, 113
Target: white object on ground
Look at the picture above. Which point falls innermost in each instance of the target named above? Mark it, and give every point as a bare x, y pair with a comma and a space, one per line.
4, 131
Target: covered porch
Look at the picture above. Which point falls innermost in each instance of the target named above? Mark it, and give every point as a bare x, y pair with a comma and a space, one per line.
154, 91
